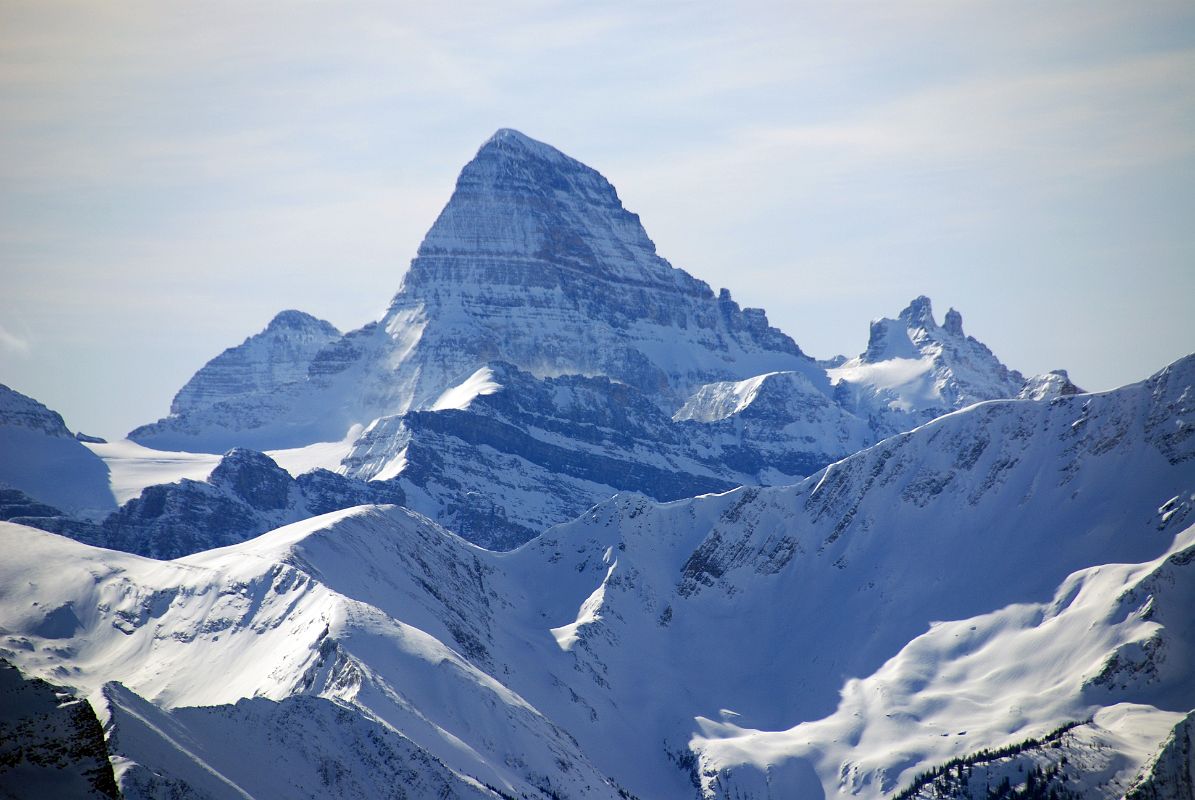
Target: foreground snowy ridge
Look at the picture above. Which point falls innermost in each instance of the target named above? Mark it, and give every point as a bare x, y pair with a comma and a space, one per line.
770, 642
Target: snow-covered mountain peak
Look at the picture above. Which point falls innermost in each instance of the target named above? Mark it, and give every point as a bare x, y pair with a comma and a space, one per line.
534, 261
21, 411
920, 313
265, 362
772, 390
292, 320
911, 333
523, 198
953, 324
254, 477
914, 369
516, 144
1055, 383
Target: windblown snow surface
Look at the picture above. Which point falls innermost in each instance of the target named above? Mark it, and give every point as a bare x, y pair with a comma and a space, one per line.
977, 582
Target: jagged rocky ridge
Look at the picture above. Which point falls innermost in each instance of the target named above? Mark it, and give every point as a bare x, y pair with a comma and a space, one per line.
529, 452
1053, 537
915, 370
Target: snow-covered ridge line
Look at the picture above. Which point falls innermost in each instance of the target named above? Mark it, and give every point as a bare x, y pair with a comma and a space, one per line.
715, 602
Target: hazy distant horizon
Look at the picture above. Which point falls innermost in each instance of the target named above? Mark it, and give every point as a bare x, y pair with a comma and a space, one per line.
172, 177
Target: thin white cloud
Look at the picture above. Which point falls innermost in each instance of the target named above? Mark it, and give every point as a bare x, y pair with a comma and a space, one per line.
193, 168
12, 344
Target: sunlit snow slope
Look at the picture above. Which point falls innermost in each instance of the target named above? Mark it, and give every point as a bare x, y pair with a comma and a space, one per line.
984, 579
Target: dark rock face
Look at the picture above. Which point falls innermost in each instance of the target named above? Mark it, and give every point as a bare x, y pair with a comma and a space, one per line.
20, 508
51, 744
324, 491
537, 452
533, 453
1171, 773
15, 503
254, 478
176, 519
86, 439
246, 495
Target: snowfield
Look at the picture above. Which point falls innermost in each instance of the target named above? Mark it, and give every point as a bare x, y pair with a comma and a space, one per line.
826, 637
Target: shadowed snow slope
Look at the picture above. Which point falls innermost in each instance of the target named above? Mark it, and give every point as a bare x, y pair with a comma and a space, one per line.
749, 644
41, 457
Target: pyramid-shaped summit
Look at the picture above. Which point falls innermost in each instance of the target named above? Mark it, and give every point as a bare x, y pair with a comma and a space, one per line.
552, 274
520, 201
533, 262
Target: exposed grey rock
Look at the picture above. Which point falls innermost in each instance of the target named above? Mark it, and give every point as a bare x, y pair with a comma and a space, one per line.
244, 384
246, 495
535, 265
264, 362
537, 452
1055, 383
86, 439
51, 744
955, 371
1170, 775
15, 503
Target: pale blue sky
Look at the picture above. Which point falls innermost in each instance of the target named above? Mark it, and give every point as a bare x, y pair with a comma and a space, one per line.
173, 174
